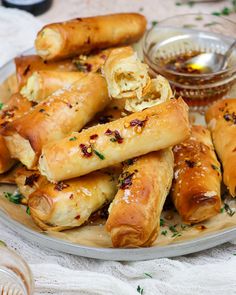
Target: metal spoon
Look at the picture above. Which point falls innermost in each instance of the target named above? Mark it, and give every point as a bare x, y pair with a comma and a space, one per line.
210, 62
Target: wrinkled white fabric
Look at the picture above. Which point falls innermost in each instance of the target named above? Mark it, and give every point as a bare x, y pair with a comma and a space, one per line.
210, 272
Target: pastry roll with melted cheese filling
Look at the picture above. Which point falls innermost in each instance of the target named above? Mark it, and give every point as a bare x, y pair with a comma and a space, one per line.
221, 119
82, 35
28, 181
26, 65
134, 215
41, 84
197, 178
66, 110
104, 145
70, 203
126, 75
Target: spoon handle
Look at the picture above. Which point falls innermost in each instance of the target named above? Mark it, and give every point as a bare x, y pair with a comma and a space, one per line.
227, 55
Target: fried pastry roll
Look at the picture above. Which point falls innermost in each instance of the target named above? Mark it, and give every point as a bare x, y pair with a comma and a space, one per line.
9, 177
82, 35
66, 110
134, 215
16, 107
13, 109
126, 75
104, 145
197, 177
70, 203
28, 181
26, 65
41, 84
6, 162
221, 119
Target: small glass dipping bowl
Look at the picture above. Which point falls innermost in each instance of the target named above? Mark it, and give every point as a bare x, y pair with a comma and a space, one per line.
185, 34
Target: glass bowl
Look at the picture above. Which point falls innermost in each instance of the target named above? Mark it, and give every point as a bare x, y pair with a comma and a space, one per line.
15, 276
186, 34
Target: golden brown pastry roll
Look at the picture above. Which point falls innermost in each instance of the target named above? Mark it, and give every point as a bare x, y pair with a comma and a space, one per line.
26, 65
221, 120
41, 84
197, 177
70, 203
6, 162
9, 177
28, 181
104, 145
134, 215
82, 35
126, 75
16, 107
66, 110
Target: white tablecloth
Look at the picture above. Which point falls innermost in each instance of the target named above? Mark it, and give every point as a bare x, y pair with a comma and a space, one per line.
208, 272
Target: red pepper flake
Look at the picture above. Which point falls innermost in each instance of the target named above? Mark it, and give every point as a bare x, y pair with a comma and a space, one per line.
30, 181
103, 56
137, 122
94, 136
69, 105
86, 150
27, 69
191, 164
77, 217
125, 180
60, 186
108, 132
71, 197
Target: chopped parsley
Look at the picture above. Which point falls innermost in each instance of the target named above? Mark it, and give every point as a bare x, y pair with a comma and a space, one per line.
14, 198
28, 210
164, 232
162, 222
100, 156
140, 290
148, 275
228, 210
173, 229
1, 105
72, 138
3, 243
154, 23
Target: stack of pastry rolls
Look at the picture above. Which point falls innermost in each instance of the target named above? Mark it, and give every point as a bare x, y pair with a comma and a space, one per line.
72, 158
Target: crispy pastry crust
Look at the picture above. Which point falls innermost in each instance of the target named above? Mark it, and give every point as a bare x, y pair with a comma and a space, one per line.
26, 65
152, 129
197, 177
41, 84
6, 162
221, 120
70, 203
66, 110
82, 35
134, 215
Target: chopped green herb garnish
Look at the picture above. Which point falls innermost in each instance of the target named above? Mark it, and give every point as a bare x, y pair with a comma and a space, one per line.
3, 243
148, 275
226, 11
216, 13
222, 210
199, 17
73, 138
162, 222
154, 23
140, 290
141, 9
1, 105
189, 26
175, 235
191, 3
13, 198
100, 156
28, 210
178, 3
228, 210
184, 226
164, 232
113, 139
173, 228
234, 254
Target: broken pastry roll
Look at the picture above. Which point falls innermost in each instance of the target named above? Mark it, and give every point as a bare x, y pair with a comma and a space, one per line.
41, 84
66, 110
104, 145
69, 204
26, 65
126, 75
6, 162
82, 35
221, 120
134, 215
197, 178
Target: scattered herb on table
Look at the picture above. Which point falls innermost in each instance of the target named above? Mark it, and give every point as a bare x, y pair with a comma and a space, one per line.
154, 23
199, 17
141, 9
164, 232
140, 290
14, 198
175, 232
3, 243
148, 275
